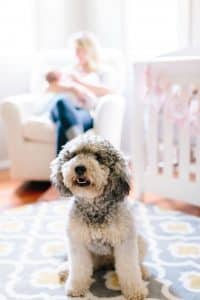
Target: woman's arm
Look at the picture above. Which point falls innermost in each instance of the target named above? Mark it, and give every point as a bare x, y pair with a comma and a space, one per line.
98, 90
58, 88
78, 90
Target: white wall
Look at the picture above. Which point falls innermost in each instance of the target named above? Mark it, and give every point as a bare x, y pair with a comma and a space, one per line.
104, 19
57, 20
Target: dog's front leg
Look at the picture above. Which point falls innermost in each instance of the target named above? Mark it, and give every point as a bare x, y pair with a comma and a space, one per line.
128, 269
80, 269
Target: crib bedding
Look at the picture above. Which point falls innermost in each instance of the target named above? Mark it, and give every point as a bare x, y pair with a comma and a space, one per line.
32, 246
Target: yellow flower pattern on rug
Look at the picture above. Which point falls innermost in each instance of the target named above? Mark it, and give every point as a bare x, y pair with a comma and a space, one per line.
185, 250
32, 247
5, 249
11, 226
191, 281
176, 227
46, 278
53, 248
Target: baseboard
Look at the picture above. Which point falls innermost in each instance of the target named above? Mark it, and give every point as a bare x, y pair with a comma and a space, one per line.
4, 164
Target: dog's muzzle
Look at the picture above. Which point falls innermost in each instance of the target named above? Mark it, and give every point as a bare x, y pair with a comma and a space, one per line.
81, 179
80, 170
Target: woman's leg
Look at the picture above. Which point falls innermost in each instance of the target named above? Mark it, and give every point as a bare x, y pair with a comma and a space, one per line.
70, 121
85, 119
65, 112
60, 136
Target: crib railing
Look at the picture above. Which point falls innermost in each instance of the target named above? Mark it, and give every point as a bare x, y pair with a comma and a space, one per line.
166, 155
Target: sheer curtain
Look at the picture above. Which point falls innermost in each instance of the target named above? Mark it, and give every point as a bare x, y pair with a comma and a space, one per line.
27, 26
142, 27
17, 29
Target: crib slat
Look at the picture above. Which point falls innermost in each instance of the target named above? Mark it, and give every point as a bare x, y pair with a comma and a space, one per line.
184, 151
152, 140
168, 148
197, 155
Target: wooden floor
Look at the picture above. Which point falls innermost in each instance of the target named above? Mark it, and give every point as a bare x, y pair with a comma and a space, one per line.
15, 193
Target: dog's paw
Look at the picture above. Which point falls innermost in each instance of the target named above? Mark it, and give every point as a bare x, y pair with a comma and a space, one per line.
74, 293
136, 293
145, 273
75, 289
63, 271
62, 276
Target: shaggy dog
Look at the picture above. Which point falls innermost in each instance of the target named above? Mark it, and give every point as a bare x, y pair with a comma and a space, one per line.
100, 224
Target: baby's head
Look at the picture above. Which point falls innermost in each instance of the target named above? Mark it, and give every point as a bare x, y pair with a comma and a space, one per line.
53, 76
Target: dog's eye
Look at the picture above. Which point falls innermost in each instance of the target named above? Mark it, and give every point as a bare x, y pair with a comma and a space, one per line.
99, 158
73, 154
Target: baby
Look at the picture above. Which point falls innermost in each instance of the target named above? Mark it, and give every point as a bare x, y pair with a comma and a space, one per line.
58, 83
53, 78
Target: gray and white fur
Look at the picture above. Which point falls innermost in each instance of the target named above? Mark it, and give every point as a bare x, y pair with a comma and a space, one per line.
93, 175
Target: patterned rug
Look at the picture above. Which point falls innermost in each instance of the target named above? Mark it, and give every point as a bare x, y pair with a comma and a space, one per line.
32, 246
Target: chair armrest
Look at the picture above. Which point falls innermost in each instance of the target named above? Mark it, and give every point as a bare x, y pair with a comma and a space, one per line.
14, 110
12, 122
26, 104
108, 118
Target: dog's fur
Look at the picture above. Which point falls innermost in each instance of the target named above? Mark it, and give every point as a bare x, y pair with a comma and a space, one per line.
100, 225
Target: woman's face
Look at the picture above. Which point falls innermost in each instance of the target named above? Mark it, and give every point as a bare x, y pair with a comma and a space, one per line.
82, 55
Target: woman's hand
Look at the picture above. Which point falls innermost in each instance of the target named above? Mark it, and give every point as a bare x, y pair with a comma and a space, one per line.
80, 96
84, 95
75, 78
95, 89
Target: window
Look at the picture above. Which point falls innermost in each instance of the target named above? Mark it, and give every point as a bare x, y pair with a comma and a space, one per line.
17, 31
152, 27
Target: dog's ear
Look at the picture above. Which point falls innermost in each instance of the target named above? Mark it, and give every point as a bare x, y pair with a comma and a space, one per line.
121, 181
56, 173
125, 183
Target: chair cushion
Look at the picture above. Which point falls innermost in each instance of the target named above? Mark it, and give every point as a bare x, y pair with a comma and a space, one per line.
39, 129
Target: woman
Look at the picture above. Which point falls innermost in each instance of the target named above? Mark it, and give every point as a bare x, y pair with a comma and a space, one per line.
72, 115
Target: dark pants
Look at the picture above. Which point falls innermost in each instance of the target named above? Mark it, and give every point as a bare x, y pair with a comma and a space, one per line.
66, 117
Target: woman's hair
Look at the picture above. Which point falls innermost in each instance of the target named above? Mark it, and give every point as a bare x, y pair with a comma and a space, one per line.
90, 43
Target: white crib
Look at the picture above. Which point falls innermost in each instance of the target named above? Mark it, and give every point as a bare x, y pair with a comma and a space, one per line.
160, 166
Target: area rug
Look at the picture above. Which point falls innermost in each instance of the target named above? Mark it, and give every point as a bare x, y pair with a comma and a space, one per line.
32, 245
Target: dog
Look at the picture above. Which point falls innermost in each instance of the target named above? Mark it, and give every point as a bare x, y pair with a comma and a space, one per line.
100, 223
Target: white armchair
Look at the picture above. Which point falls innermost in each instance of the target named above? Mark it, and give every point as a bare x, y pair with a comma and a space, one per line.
31, 138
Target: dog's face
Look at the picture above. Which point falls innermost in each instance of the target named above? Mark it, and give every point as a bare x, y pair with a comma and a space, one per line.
85, 176
89, 167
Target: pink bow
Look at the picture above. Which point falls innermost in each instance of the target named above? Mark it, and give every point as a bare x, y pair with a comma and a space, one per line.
194, 115
177, 104
156, 89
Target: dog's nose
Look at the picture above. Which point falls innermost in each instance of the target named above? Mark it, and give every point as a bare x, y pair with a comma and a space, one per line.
80, 170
